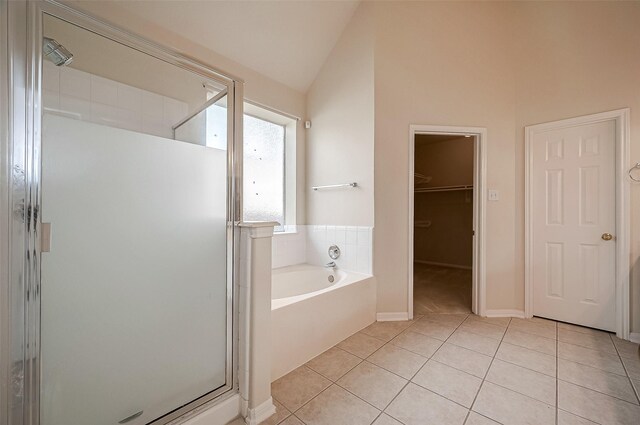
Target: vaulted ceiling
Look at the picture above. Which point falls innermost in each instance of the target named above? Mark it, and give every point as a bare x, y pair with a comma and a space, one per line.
287, 41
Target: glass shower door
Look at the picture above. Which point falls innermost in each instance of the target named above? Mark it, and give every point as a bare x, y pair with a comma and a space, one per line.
135, 284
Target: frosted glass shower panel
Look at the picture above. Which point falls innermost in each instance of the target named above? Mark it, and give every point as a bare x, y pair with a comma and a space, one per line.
134, 289
263, 170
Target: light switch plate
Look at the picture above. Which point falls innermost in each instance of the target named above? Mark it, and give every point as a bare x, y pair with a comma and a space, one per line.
494, 195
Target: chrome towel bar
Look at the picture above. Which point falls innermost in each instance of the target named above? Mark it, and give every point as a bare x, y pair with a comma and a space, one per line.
335, 186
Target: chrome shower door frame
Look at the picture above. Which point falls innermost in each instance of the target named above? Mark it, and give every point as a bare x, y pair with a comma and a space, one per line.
21, 31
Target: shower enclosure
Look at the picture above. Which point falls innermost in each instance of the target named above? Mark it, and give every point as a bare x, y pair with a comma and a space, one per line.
120, 285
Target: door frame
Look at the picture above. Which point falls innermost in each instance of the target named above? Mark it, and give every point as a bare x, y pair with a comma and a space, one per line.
478, 298
622, 141
20, 159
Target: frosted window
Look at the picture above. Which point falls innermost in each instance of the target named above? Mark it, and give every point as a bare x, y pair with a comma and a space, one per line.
263, 170
216, 127
208, 128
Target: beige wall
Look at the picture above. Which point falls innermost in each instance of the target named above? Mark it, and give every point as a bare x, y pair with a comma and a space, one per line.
258, 87
501, 66
443, 64
340, 141
448, 238
577, 59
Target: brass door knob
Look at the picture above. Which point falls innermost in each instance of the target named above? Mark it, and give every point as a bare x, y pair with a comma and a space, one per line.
607, 236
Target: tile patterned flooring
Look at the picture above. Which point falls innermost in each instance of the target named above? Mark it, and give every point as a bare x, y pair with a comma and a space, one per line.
438, 289
463, 369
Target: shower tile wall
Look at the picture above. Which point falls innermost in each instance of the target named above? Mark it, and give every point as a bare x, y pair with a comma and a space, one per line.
310, 244
87, 97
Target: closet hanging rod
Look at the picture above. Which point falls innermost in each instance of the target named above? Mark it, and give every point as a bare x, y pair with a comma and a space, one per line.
335, 186
442, 188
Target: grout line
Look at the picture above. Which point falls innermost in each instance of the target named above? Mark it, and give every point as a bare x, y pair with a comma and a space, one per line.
410, 381
487, 372
484, 379
633, 388
599, 392
517, 329
529, 348
361, 361
484, 416
590, 367
459, 370
613, 356
525, 367
582, 417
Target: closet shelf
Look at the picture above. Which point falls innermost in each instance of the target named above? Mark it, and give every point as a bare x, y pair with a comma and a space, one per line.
421, 178
442, 188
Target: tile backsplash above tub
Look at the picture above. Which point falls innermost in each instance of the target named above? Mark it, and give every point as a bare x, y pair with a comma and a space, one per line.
354, 243
310, 244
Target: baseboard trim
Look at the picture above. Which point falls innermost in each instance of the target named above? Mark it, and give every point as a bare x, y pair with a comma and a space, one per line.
504, 313
219, 414
392, 317
434, 263
261, 413
634, 337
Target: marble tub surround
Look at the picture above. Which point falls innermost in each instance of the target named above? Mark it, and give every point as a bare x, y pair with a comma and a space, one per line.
463, 369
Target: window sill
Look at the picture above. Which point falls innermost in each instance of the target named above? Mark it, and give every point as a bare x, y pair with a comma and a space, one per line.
288, 230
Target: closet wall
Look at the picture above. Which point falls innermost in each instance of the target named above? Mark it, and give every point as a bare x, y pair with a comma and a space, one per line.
443, 218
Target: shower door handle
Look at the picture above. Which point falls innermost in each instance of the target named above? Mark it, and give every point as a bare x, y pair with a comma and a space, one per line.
45, 237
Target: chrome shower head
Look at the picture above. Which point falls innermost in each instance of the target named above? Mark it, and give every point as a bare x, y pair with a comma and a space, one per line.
56, 52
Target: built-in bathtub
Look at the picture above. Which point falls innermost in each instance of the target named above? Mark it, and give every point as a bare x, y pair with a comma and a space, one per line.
310, 314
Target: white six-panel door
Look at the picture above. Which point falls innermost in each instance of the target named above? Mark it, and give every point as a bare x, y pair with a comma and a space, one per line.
572, 214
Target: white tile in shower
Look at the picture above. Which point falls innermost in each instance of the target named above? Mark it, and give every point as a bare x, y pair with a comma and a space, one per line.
103, 114
104, 91
130, 120
50, 77
174, 111
73, 107
75, 83
81, 95
50, 99
129, 98
152, 107
156, 128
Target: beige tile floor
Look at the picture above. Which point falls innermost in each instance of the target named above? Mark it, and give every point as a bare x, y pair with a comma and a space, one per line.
462, 369
439, 289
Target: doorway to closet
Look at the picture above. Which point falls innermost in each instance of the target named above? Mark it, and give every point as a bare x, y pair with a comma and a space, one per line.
446, 220
443, 223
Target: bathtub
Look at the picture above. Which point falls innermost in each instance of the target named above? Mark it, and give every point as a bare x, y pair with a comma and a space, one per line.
314, 308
